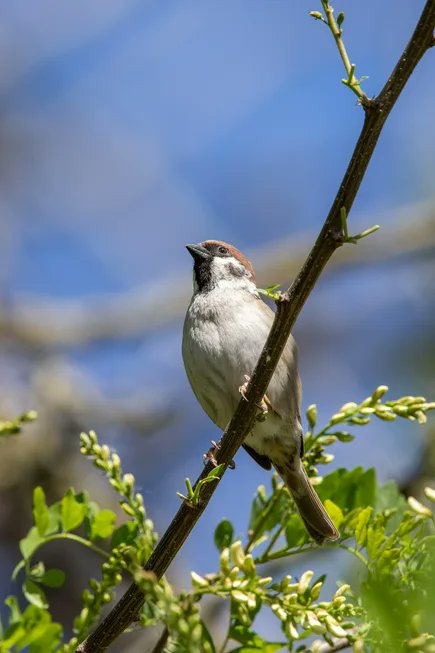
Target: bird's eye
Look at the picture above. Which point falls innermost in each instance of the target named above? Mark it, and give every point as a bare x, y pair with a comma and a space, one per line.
223, 250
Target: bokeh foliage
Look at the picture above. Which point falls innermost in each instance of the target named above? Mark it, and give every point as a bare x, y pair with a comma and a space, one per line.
388, 607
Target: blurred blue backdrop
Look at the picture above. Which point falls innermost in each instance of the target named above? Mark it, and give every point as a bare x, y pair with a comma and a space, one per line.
128, 129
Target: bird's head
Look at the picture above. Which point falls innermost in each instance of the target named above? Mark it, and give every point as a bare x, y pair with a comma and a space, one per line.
219, 264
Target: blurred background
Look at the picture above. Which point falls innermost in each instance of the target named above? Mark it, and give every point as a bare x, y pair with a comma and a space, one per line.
128, 129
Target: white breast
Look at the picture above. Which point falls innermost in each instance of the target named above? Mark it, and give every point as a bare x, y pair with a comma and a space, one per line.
224, 333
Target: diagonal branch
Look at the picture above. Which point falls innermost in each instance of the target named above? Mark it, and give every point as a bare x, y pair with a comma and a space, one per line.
288, 309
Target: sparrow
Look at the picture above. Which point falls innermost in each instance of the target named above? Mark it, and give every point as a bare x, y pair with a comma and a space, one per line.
224, 332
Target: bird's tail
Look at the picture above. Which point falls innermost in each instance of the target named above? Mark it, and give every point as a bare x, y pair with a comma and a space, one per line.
317, 521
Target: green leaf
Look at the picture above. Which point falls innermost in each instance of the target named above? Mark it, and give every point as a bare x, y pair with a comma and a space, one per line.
93, 509
47, 640
73, 512
375, 539
349, 490
344, 436
389, 496
30, 543
17, 569
207, 638
125, 534
34, 594
40, 510
295, 532
103, 524
334, 512
223, 534
366, 490
53, 578
54, 518
265, 516
37, 571
35, 633
15, 612
251, 641
361, 525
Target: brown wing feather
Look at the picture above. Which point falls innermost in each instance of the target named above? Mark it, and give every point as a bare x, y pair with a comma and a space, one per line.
263, 461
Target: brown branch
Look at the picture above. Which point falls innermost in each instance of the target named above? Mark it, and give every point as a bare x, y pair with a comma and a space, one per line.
288, 308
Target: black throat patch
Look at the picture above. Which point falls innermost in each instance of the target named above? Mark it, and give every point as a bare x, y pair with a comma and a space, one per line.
202, 271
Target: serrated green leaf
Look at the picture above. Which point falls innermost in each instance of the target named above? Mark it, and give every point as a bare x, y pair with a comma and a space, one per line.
103, 524
40, 510
223, 534
53, 578
34, 594
361, 525
72, 511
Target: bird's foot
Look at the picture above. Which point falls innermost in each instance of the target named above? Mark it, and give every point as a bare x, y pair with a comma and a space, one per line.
264, 404
209, 457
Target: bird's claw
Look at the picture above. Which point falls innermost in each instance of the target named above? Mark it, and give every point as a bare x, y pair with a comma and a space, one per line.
244, 387
209, 457
264, 404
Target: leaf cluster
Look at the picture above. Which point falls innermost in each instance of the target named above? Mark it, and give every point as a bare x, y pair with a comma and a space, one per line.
386, 607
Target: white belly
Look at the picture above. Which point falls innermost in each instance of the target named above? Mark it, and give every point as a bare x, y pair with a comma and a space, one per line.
219, 349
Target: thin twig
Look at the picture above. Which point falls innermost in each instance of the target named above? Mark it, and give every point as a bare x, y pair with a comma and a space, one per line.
351, 81
288, 309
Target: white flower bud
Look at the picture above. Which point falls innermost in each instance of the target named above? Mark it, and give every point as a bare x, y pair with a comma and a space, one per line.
197, 580
419, 508
237, 553
430, 493
305, 581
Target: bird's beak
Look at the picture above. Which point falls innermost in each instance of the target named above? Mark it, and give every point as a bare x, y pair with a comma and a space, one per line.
198, 251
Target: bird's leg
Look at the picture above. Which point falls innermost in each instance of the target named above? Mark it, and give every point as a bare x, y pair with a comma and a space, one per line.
210, 455
264, 404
